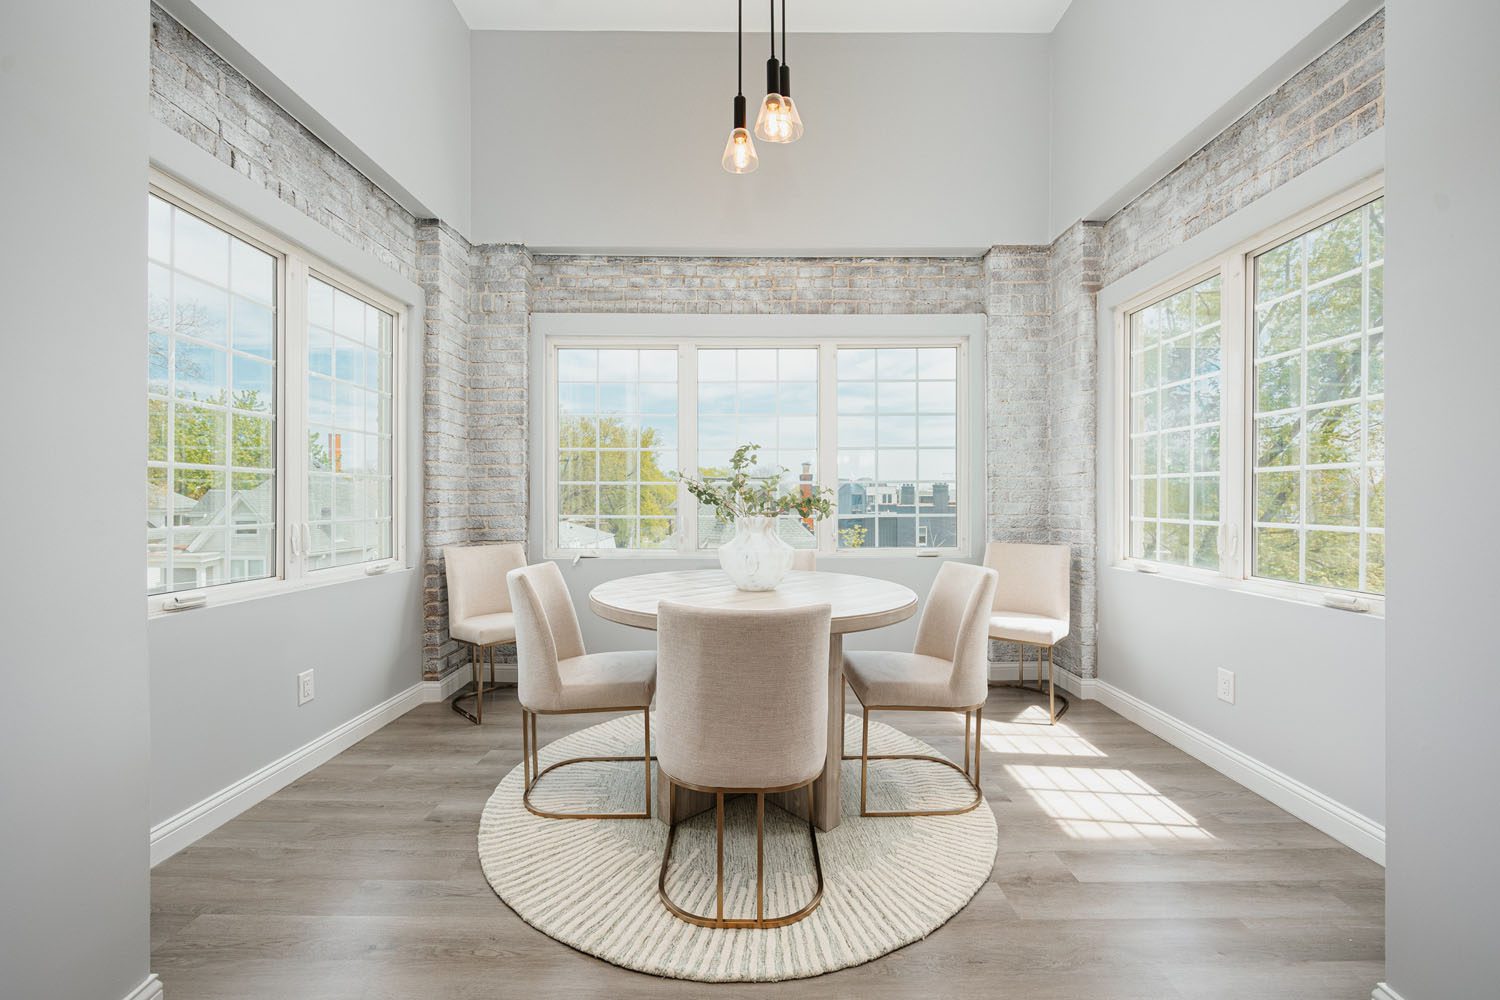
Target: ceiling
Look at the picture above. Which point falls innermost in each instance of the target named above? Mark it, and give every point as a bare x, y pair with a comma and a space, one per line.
719, 15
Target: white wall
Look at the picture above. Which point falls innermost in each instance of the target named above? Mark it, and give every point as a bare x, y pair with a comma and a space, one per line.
586, 141
384, 82
223, 678
1138, 87
74, 907
1310, 695
1443, 886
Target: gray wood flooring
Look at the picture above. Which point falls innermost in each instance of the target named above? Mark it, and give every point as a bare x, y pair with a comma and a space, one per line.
1126, 869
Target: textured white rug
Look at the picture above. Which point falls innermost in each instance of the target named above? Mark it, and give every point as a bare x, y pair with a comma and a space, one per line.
592, 884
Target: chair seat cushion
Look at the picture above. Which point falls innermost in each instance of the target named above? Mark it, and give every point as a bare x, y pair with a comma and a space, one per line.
484, 630
882, 678
1038, 629
625, 679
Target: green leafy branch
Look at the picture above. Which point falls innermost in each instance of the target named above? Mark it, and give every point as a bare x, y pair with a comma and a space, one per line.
744, 494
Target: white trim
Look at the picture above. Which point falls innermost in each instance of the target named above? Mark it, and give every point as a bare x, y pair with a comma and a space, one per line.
1383, 991
196, 821
454, 680
1004, 671
150, 989
1348, 827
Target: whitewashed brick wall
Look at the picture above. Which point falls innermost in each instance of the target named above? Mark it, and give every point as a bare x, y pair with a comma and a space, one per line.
211, 104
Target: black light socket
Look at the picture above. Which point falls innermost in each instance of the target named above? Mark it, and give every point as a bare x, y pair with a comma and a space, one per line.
773, 75
786, 81
739, 111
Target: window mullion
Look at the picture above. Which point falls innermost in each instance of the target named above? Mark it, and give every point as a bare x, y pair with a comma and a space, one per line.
687, 442
293, 399
828, 456
1237, 428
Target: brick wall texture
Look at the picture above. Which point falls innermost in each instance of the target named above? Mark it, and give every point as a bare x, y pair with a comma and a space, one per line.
1041, 334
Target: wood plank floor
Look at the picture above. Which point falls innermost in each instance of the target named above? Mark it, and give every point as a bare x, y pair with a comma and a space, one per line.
1126, 869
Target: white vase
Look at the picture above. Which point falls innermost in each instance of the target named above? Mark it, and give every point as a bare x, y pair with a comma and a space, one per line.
756, 558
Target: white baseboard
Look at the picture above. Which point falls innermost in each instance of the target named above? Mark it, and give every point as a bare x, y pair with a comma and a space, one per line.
1384, 992
1002, 672
442, 690
150, 989
1343, 824
172, 835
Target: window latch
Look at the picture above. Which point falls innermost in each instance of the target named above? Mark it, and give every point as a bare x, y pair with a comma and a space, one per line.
1346, 602
184, 602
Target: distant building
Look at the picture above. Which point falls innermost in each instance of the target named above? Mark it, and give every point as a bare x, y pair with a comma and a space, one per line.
899, 515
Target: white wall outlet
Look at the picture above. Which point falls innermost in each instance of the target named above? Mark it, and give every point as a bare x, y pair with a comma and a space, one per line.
304, 687
1226, 685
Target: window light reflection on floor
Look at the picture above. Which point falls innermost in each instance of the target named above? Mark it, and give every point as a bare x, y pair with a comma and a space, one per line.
1026, 736
1101, 803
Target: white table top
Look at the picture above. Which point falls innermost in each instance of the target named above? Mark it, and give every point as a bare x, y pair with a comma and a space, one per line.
859, 602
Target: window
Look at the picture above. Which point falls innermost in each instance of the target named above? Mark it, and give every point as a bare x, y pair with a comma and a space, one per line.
768, 396
898, 440
1255, 409
617, 425
876, 424
1175, 388
1319, 457
270, 408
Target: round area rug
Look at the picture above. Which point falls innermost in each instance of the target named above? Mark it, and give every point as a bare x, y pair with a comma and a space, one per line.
591, 884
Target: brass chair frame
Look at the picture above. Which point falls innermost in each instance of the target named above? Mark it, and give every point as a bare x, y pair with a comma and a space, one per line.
972, 713
478, 656
532, 772
1054, 712
718, 920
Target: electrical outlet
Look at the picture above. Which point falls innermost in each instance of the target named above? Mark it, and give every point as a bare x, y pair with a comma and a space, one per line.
304, 687
1226, 685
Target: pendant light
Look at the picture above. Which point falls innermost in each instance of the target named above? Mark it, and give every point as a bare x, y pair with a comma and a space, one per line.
793, 118
773, 124
739, 151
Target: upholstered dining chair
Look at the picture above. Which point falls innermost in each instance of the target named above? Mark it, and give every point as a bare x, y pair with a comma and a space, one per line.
1032, 600
742, 708
805, 559
946, 671
555, 675
479, 609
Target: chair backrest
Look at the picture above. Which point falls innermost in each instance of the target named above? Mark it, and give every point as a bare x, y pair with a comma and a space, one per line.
1034, 578
741, 696
476, 578
805, 559
955, 625
547, 630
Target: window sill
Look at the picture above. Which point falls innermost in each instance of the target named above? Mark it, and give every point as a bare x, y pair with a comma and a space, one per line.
576, 555
255, 590
1291, 592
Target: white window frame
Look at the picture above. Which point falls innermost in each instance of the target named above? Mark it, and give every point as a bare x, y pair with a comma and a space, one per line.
293, 265
829, 334
1237, 411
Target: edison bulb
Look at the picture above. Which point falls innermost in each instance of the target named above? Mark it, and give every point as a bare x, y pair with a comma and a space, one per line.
775, 122
739, 153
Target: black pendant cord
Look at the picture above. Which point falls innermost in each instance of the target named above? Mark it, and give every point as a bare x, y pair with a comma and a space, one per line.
786, 70
739, 97
773, 67
773, 30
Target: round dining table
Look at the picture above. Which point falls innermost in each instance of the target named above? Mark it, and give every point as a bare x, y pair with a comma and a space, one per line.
858, 603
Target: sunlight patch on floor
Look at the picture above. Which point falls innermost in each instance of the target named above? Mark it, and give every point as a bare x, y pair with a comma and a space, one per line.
1026, 736
1104, 803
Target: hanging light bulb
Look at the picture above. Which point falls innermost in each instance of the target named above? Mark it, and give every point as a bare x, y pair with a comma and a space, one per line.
739, 151
774, 124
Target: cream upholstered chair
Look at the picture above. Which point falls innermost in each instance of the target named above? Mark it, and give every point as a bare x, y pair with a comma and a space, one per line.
947, 671
555, 675
1032, 600
805, 559
479, 609
743, 707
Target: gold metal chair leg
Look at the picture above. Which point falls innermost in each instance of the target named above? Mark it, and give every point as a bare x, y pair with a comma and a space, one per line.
1057, 704
533, 775
480, 657
865, 757
718, 920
